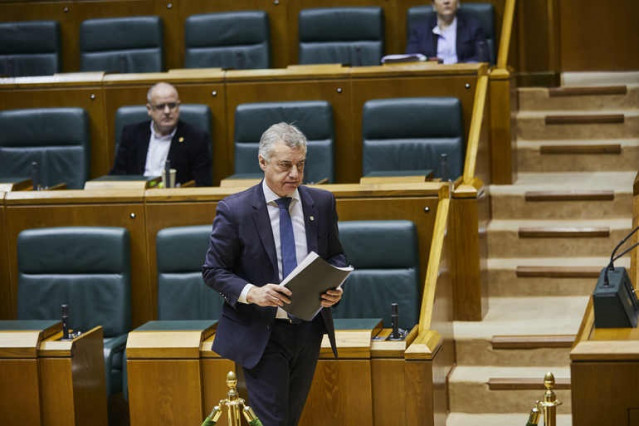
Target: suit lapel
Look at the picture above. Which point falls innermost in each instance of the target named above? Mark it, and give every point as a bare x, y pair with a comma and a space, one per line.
144, 148
263, 225
174, 142
310, 220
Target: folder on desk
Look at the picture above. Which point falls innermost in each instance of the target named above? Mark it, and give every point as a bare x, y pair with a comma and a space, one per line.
312, 277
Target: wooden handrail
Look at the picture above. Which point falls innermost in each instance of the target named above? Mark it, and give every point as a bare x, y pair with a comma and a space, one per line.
474, 134
434, 261
506, 34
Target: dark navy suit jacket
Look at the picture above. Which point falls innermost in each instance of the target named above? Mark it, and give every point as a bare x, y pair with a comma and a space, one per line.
189, 154
242, 250
471, 43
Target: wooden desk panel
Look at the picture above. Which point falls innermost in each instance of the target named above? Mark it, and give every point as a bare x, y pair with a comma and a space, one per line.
19, 395
6, 296
84, 208
46, 92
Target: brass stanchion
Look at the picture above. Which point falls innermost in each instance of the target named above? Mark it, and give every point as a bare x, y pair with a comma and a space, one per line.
234, 405
548, 406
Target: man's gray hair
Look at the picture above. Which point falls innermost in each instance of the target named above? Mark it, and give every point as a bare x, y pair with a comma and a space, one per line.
149, 92
281, 132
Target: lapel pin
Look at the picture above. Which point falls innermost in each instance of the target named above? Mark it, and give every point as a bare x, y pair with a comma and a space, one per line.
312, 218
180, 139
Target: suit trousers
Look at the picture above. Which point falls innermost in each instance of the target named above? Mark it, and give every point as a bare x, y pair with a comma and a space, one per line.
279, 384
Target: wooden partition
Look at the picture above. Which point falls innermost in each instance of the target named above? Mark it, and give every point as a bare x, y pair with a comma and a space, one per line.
26, 210
604, 372
6, 298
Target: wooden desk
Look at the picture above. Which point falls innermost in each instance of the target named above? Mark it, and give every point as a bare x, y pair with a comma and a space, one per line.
604, 369
50, 382
164, 372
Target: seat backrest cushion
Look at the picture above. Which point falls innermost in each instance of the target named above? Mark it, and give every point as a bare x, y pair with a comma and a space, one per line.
29, 48
57, 138
313, 118
386, 260
87, 268
411, 134
238, 40
121, 45
483, 12
182, 294
197, 115
346, 35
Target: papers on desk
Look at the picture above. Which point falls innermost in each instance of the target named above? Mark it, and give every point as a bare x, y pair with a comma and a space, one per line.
401, 58
312, 277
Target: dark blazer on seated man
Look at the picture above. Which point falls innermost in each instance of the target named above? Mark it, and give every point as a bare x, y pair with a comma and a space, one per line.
189, 153
471, 43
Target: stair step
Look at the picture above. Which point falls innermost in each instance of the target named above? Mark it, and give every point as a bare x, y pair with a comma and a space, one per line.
585, 119
535, 196
533, 341
524, 383
587, 91
498, 419
558, 271
564, 232
580, 149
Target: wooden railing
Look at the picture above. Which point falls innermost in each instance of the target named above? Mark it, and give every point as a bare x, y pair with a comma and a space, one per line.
475, 132
506, 34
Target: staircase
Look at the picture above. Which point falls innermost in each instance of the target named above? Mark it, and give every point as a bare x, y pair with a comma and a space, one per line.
551, 233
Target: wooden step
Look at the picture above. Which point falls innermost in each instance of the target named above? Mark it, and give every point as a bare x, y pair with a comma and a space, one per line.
525, 383
586, 119
533, 341
564, 232
535, 196
587, 91
581, 149
558, 271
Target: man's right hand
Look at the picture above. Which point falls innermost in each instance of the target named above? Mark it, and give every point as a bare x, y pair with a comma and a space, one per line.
269, 295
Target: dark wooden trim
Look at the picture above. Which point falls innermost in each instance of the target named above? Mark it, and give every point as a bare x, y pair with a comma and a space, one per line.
635, 185
558, 271
525, 383
586, 119
587, 91
563, 232
533, 341
581, 149
570, 196
538, 79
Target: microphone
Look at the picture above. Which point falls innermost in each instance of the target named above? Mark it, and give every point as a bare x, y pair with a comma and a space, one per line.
167, 174
358, 56
611, 266
444, 173
396, 333
65, 322
35, 176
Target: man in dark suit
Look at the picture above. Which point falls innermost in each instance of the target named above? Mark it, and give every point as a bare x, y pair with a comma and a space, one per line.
449, 36
145, 147
250, 251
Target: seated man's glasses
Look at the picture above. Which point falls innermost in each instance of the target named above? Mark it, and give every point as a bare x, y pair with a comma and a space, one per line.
161, 107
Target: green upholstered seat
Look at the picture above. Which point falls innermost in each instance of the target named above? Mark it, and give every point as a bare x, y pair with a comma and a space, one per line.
29, 48
87, 268
401, 134
121, 45
238, 40
197, 115
341, 35
57, 138
483, 12
385, 256
313, 118
182, 294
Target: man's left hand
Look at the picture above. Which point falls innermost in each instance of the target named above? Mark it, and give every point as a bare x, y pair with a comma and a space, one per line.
331, 297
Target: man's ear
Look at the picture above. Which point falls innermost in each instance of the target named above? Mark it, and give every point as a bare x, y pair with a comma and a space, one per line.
148, 109
262, 162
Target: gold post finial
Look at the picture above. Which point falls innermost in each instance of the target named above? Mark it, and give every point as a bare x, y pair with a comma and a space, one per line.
550, 402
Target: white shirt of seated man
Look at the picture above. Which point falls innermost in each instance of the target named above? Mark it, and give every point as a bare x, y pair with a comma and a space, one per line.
447, 42
157, 153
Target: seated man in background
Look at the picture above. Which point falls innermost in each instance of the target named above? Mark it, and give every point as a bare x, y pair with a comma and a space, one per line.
450, 37
145, 147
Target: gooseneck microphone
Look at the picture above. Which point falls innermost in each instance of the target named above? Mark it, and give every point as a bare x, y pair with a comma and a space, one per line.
65, 322
611, 266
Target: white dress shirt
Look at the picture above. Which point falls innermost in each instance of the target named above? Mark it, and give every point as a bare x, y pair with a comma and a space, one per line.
157, 153
447, 42
299, 233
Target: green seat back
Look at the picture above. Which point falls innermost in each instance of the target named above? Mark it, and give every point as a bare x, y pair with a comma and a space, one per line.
238, 40
29, 48
385, 256
182, 294
57, 138
410, 134
341, 35
122, 45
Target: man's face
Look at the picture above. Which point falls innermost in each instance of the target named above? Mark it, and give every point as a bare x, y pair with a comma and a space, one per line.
445, 9
284, 171
164, 108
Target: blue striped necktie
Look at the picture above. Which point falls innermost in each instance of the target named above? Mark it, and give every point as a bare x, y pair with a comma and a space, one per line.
287, 239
